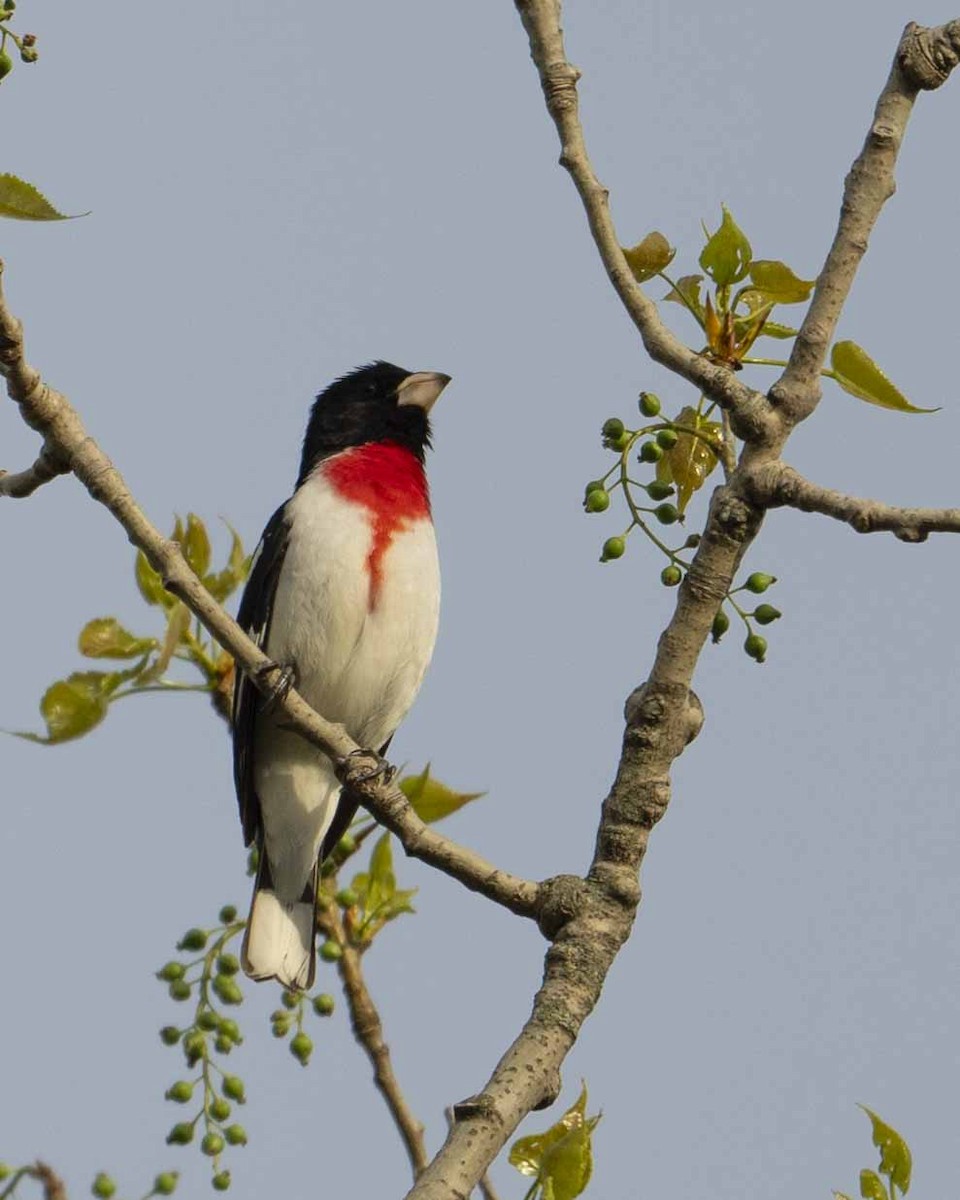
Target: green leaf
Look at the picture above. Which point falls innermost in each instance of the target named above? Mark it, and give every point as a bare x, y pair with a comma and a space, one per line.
841, 1196
871, 1186
561, 1157
105, 637
195, 544
649, 257
687, 293
73, 706
693, 458
896, 1161
382, 882
150, 584
432, 800
21, 201
727, 255
774, 330
225, 582
777, 282
858, 374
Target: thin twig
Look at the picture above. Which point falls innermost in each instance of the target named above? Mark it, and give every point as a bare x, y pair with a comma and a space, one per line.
21, 484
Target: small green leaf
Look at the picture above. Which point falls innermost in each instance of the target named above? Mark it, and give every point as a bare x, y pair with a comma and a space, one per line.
150, 584
858, 374
196, 545
777, 282
73, 706
105, 637
871, 1186
689, 463
896, 1161
687, 293
382, 882
21, 201
727, 255
561, 1157
432, 800
775, 330
225, 582
649, 257
841, 1196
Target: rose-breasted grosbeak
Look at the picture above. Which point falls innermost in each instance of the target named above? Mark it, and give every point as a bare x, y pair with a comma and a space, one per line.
344, 590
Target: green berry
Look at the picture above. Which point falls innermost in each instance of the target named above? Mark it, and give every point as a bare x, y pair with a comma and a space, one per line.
613, 547
228, 914
721, 623
194, 1046
5, 1170
346, 846
169, 1035
220, 1108
758, 582
233, 1088
208, 1021
280, 1029
597, 501
165, 1184
181, 1134
171, 970
28, 54
613, 428
103, 1186
301, 1047
347, 898
619, 444
671, 576
179, 990
180, 1092
649, 404
6, 65
289, 999
756, 647
221, 1181
667, 439
236, 1135
230, 1029
323, 1004
212, 1144
766, 614
330, 951
595, 485
659, 491
666, 514
227, 989
222, 1045
193, 939
692, 542
228, 964
650, 452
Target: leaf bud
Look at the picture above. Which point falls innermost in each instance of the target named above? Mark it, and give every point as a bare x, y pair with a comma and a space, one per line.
666, 514
667, 439
301, 1047
650, 452
323, 1004
170, 1035
613, 428
233, 1088
181, 1134
179, 990
649, 404
597, 501
171, 970
671, 576
613, 547
103, 1186
212, 1144
228, 914
721, 623
659, 491
165, 1183
228, 964
180, 1092
219, 1108
221, 1181
330, 951
347, 897
236, 1135
758, 582
756, 647
193, 939
208, 1021
766, 614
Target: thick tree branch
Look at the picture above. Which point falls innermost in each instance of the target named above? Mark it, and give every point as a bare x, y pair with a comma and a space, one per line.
775, 485
48, 466
48, 412
923, 60
748, 409
368, 1031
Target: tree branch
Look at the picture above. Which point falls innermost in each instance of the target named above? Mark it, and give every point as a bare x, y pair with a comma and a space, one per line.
368, 1031
923, 60
48, 466
51, 414
749, 410
776, 485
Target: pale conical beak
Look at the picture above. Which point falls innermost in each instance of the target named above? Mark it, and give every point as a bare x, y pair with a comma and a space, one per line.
422, 389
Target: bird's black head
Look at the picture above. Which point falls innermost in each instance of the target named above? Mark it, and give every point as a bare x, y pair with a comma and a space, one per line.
375, 403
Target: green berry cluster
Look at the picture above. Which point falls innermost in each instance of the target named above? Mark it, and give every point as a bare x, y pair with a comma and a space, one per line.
26, 44
755, 645
288, 1021
208, 979
103, 1186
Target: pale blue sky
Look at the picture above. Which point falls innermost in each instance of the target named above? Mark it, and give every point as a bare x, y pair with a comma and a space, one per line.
281, 192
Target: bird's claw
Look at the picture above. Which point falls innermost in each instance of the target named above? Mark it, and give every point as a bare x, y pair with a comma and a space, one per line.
287, 677
379, 767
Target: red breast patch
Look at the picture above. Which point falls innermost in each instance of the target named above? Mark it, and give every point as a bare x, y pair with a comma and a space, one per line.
391, 484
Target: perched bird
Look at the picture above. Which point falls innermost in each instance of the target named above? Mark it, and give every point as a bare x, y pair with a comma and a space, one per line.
344, 594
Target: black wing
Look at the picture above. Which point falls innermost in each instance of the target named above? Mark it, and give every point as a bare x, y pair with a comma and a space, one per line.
256, 610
